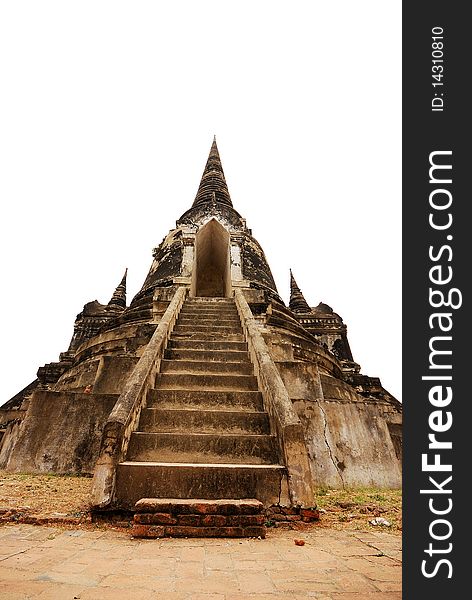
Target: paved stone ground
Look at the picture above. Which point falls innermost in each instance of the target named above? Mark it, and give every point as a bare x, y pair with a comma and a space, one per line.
49, 563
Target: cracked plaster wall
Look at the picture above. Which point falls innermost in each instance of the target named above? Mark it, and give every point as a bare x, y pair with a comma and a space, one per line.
347, 435
60, 433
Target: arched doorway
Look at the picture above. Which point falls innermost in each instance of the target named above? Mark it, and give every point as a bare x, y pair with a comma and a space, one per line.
211, 271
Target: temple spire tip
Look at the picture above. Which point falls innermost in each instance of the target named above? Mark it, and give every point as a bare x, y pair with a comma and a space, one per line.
213, 185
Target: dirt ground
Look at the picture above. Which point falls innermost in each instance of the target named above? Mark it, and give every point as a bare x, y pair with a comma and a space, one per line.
68, 496
44, 494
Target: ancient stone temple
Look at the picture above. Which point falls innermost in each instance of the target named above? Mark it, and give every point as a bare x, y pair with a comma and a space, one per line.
207, 386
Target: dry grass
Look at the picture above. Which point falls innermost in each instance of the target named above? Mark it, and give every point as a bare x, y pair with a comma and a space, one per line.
354, 508
69, 495
45, 494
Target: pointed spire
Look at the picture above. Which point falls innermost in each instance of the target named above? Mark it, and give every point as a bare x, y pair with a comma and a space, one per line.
297, 303
213, 183
118, 300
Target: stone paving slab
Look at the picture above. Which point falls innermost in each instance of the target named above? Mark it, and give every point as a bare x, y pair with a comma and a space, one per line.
50, 563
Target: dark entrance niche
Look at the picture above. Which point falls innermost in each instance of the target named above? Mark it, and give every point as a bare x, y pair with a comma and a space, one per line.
211, 273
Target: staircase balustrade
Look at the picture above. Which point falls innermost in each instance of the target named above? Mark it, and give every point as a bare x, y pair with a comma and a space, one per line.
126, 412
277, 402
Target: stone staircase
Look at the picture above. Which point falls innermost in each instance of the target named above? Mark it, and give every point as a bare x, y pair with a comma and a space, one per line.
204, 433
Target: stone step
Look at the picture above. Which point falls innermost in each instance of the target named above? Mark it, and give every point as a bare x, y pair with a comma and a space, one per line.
201, 381
205, 400
208, 367
199, 308
209, 306
207, 355
136, 480
203, 421
211, 312
210, 343
202, 448
213, 329
219, 320
202, 300
210, 336
209, 318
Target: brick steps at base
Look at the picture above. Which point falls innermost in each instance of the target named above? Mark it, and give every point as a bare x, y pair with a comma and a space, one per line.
158, 531
198, 517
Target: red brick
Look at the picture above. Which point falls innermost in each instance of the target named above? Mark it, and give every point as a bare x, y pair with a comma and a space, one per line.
251, 507
223, 531
155, 518
178, 506
190, 520
183, 531
229, 509
309, 514
291, 510
203, 508
214, 521
245, 520
278, 517
142, 518
152, 505
148, 531
254, 532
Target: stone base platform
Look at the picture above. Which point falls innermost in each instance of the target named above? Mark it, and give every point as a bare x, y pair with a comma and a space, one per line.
174, 517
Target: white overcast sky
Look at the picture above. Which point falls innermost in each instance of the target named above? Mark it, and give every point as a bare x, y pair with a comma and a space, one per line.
107, 114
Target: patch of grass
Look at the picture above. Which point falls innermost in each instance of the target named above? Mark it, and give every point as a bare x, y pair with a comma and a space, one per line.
22, 476
353, 508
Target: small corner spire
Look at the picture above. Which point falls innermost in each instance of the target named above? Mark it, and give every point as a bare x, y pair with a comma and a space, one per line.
297, 302
118, 300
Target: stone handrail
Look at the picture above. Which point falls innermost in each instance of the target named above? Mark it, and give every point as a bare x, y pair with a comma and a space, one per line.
278, 404
124, 417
